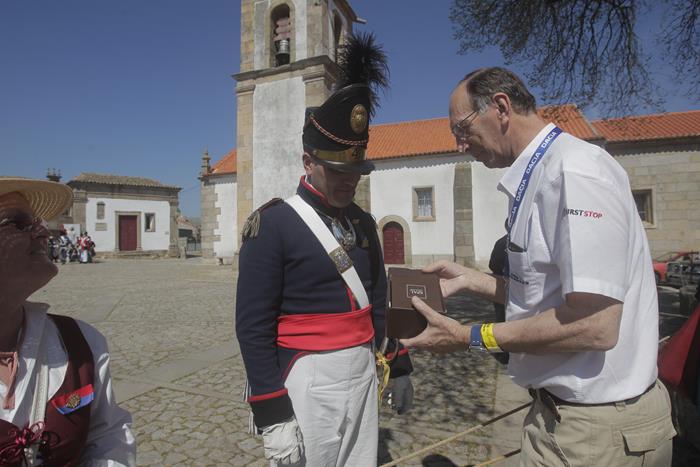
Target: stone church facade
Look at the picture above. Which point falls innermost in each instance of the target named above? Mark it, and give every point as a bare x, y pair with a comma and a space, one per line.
430, 202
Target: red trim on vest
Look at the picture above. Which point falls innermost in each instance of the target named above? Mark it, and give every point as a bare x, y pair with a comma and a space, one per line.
271, 395
59, 401
325, 331
73, 400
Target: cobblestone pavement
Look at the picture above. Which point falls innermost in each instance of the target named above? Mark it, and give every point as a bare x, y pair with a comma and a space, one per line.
177, 368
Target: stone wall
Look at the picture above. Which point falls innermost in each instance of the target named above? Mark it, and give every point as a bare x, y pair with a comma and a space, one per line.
244, 152
673, 176
173, 249
209, 213
247, 38
363, 194
463, 231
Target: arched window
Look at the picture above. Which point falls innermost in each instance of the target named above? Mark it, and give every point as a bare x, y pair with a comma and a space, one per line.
281, 35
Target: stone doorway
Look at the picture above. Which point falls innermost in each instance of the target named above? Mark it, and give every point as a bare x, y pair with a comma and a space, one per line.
128, 233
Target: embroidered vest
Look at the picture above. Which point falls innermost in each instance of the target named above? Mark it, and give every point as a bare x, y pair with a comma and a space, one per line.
67, 413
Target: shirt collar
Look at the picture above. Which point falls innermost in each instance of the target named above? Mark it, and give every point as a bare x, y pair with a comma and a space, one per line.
511, 179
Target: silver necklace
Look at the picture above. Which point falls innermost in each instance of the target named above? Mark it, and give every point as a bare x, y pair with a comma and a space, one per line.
346, 237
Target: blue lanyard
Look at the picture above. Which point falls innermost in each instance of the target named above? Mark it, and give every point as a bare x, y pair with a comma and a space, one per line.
524, 182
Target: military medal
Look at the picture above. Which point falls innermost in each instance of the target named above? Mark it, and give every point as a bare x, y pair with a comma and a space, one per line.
346, 237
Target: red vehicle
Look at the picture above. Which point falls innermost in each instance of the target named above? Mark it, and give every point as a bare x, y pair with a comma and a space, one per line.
661, 262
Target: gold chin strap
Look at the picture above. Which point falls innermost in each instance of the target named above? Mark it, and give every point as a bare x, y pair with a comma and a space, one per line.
355, 154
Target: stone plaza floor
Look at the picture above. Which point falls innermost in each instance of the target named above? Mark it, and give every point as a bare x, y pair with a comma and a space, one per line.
176, 366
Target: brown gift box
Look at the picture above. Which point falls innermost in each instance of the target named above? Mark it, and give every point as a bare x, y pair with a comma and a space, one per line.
402, 320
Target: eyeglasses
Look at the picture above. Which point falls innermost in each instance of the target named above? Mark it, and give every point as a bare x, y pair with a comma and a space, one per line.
461, 130
21, 223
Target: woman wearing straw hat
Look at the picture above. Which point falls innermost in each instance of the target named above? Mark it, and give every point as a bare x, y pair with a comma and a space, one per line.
56, 400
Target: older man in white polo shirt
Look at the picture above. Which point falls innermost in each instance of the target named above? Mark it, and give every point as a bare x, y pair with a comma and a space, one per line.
581, 304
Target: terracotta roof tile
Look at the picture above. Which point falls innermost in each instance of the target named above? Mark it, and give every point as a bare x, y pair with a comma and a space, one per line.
433, 136
650, 127
423, 137
107, 179
417, 137
570, 119
226, 164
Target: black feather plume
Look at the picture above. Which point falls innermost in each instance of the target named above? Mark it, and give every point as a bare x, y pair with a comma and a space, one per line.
363, 61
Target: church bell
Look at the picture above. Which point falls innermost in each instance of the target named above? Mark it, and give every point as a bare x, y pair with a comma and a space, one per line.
282, 54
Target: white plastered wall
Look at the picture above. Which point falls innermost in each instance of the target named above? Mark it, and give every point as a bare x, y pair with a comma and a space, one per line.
277, 150
489, 210
225, 188
391, 188
105, 240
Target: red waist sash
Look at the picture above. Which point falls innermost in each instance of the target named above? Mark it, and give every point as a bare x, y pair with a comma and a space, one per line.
325, 331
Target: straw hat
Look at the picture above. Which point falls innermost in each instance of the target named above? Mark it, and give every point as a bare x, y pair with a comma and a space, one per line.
47, 199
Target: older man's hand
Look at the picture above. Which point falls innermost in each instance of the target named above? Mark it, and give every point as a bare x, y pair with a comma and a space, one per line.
451, 276
442, 335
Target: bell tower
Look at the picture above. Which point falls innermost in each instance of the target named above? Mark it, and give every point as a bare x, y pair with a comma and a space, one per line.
288, 52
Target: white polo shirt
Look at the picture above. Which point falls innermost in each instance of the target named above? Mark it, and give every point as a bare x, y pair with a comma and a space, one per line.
579, 231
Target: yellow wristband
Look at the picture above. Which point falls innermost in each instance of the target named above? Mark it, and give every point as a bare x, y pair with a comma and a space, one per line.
489, 339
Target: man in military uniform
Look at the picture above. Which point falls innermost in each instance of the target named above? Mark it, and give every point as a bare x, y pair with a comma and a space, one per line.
312, 291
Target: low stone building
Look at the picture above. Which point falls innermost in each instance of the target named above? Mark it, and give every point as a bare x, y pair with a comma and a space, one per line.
126, 215
219, 214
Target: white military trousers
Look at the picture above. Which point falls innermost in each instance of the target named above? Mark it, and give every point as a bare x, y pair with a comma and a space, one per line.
334, 395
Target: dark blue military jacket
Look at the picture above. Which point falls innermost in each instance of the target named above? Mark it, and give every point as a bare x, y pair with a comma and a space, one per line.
283, 269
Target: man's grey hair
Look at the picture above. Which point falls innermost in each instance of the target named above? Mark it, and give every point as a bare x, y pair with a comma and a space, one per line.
483, 83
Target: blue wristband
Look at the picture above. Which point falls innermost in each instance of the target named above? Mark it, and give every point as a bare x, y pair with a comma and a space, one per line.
475, 341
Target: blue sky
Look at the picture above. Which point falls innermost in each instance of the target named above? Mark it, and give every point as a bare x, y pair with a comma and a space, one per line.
142, 87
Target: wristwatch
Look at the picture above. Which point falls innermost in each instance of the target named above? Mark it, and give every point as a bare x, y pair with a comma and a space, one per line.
475, 340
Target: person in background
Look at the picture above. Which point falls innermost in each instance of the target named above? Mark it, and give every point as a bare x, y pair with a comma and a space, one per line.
498, 266
85, 248
64, 247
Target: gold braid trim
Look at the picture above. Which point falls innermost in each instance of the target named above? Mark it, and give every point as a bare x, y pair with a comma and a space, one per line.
331, 136
251, 228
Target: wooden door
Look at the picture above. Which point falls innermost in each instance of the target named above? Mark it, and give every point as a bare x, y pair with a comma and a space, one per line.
127, 233
393, 244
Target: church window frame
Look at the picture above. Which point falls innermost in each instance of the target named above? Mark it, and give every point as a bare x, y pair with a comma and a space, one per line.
149, 222
100, 210
423, 203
